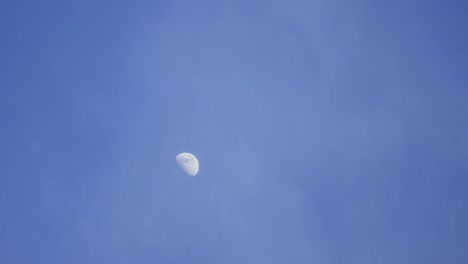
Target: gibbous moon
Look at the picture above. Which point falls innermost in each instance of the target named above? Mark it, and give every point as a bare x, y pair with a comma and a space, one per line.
188, 163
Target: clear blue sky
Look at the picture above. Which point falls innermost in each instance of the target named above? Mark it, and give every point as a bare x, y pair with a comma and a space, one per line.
327, 132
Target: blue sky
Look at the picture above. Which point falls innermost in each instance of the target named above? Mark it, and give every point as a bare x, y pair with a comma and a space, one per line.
327, 131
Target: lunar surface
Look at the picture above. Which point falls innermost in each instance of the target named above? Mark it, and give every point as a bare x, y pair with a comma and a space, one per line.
188, 163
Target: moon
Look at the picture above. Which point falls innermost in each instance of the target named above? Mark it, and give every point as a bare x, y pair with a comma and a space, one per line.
188, 163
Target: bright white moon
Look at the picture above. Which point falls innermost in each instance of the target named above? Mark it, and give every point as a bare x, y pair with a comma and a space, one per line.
188, 163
